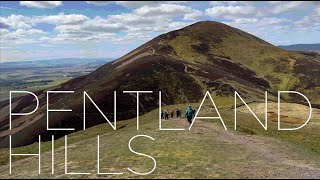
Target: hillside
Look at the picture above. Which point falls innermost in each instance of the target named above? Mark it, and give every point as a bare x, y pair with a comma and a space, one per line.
207, 151
183, 64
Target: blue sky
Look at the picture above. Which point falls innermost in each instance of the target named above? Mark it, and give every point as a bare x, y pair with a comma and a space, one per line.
34, 30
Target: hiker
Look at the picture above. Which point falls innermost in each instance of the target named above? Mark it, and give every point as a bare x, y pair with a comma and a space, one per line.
189, 114
162, 115
179, 111
172, 113
166, 114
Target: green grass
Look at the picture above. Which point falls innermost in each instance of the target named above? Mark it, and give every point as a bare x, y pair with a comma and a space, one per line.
184, 50
178, 153
222, 102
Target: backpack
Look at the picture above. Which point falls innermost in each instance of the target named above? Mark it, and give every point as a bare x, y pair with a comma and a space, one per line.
189, 112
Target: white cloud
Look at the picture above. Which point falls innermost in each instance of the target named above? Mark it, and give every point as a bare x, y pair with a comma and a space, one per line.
78, 36
61, 18
230, 3
246, 20
99, 3
136, 20
273, 21
95, 29
168, 10
41, 4
136, 4
133, 36
93, 26
16, 21
136, 27
133, 4
154, 19
288, 6
194, 15
147, 18
262, 27
260, 22
101, 24
178, 25
20, 36
4, 32
309, 22
229, 11
141, 21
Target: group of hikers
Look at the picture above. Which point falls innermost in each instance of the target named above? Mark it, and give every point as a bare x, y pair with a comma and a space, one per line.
190, 113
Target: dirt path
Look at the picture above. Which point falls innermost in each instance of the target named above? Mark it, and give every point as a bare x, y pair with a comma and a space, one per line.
269, 150
185, 68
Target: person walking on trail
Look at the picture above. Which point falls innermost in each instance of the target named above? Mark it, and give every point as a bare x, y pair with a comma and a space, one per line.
166, 114
178, 113
189, 114
172, 113
162, 115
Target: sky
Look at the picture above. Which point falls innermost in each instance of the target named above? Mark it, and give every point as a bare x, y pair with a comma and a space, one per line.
36, 30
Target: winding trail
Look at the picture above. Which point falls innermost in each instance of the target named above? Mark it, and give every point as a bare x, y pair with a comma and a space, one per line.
185, 67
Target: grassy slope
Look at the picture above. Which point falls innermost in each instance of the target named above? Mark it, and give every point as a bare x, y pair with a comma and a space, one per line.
205, 151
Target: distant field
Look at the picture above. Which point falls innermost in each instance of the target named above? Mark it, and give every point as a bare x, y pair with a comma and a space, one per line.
37, 75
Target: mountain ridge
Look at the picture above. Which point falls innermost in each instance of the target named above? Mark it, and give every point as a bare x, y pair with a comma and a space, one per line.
302, 47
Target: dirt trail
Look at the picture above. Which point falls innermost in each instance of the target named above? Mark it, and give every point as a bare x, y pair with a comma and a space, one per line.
185, 68
269, 150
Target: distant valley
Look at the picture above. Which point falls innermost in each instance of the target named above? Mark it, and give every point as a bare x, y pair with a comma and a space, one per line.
40, 74
62, 62
302, 47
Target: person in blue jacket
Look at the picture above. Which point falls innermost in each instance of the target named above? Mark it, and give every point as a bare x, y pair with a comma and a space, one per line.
189, 114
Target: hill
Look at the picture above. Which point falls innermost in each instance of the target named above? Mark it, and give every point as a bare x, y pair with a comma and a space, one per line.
183, 64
